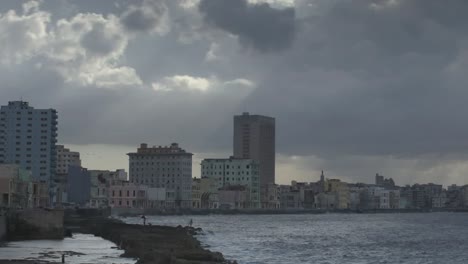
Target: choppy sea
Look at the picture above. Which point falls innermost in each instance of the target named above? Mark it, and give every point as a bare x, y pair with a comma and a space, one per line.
438, 238
420, 238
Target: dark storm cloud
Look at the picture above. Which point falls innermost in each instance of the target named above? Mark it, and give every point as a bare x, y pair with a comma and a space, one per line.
365, 80
372, 80
257, 25
146, 17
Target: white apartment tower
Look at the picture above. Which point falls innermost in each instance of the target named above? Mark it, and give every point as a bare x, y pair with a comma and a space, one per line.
234, 172
28, 137
167, 167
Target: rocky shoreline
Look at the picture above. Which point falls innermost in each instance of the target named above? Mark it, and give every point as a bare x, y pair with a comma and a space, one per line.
149, 244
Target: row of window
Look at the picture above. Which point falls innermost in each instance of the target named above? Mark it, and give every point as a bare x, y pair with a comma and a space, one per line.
27, 149
162, 163
221, 166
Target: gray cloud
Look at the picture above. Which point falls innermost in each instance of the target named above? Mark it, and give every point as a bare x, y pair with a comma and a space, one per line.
257, 25
367, 87
147, 17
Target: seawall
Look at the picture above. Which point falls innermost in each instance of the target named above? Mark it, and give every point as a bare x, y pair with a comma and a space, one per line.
31, 224
149, 244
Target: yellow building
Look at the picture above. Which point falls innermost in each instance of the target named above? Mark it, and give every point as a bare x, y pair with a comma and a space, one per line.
204, 193
341, 191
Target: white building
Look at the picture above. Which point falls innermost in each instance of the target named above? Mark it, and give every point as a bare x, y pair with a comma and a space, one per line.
168, 167
234, 172
28, 137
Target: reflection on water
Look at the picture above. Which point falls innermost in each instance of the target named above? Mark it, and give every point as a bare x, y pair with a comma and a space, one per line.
78, 249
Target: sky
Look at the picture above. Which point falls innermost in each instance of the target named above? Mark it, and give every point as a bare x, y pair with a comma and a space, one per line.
357, 87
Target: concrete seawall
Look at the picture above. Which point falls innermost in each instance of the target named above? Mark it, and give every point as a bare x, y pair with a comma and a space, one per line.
33, 224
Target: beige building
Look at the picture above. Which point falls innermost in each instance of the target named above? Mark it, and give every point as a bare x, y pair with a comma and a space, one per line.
101, 181
254, 138
234, 197
205, 193
128, 195
168, 167
341, 191
65, 158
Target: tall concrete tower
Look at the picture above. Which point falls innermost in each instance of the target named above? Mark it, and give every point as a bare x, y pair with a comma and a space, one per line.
254, 138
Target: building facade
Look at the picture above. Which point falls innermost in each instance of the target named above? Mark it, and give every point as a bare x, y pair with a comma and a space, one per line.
235, 172
168, 167
15, 187
28, 138
128, 195
254, 138
78, 185
65, 159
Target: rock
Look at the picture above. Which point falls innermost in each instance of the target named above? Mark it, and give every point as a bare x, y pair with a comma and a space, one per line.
149, 244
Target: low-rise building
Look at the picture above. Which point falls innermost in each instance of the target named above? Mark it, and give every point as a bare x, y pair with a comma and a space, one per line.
290, 198
128, 195
341, 191
15, 186
234, 197
156, 198
270, 198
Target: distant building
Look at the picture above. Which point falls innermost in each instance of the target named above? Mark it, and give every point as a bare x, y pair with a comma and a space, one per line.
65, 158
156, 197
341, 191
164, 167
15, 187
128, 195
270, 196
234, 172
205, 193
78, 185
234, 197
254, 138
384, 182
27, 138
290, 198
101, 181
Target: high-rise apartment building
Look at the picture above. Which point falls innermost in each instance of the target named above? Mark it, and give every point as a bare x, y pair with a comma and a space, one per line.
254, 138
28, 137
167, 167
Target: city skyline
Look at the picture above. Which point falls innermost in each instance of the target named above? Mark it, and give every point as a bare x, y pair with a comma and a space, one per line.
356, 87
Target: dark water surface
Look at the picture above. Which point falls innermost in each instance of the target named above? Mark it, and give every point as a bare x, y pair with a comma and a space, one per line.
332, 238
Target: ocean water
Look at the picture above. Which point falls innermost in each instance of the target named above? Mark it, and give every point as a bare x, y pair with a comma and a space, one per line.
438, 238
78, 250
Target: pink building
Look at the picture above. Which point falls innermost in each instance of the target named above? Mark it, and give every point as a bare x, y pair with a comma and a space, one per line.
126, 194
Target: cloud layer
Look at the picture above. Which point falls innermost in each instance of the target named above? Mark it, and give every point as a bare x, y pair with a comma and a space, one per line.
355, 86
